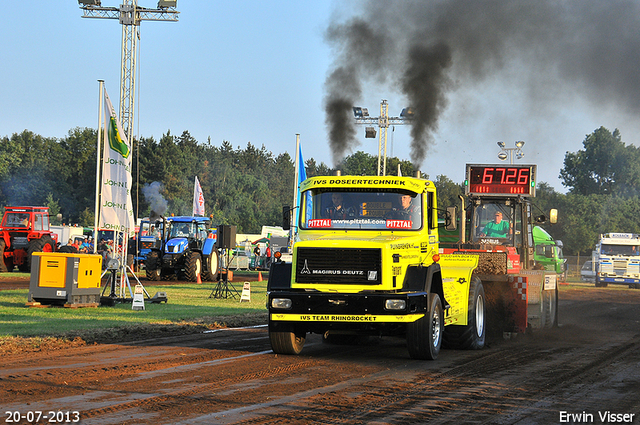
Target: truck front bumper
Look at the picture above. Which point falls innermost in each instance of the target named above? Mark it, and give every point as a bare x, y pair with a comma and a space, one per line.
319, 312
620, 280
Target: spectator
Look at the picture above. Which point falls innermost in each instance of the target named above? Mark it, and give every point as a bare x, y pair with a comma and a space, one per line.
268, 256
86, 246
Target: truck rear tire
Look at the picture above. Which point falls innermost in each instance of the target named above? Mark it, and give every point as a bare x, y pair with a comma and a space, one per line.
471, 336
213, 263
193, 266
424, 336
286, 341
152, 266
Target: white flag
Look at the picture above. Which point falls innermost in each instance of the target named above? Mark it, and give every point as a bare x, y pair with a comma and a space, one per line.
198, 199
116, 207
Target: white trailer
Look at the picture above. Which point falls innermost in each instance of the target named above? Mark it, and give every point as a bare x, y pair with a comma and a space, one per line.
67, 232
616, 259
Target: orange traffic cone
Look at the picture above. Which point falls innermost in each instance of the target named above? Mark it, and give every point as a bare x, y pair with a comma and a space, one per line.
199, 281
259, 276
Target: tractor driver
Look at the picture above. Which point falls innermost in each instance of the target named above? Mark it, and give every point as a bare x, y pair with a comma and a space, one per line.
497, 228
182, 231
25, 221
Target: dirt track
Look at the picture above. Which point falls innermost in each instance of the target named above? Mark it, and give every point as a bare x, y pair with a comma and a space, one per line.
588, 366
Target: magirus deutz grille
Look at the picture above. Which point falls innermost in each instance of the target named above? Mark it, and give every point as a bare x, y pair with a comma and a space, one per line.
339, 265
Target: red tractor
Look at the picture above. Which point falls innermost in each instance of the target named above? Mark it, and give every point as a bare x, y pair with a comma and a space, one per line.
23, 231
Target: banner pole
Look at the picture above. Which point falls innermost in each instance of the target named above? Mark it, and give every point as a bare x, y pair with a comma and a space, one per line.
98, 157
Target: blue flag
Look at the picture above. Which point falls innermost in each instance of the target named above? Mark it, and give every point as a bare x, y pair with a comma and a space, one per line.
302, 176
302, 172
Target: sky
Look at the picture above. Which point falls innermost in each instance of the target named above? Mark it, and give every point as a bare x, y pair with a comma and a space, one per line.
261, 72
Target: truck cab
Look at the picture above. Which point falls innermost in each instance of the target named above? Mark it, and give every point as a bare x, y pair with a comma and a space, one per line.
548, 253
617, 259
366, 262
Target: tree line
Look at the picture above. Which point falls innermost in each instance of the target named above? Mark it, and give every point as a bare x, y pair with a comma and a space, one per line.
247, 187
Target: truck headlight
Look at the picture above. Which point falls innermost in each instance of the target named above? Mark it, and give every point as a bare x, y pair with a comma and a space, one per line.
395, 304
281, 303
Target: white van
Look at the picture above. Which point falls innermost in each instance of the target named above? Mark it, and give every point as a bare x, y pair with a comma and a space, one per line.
587, 274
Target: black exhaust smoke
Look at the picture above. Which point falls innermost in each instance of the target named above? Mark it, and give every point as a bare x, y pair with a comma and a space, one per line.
426, 50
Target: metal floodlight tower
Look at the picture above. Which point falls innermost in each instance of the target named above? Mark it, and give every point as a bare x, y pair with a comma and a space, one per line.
130, 16
383, 122
518, 150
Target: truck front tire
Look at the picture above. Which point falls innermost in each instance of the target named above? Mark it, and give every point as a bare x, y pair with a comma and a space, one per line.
472, 335
424, 336
286, 340
600, 284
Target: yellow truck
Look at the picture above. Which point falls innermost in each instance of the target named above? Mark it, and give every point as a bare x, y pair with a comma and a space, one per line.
366, 262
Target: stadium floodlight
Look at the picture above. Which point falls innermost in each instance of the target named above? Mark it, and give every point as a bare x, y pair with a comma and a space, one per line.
506, 152
382, 122
407, 113
369, 132
162, 4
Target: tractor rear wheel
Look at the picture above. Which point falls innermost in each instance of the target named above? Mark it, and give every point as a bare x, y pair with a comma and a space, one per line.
3, 266
44, 244
152, 266
193, 266
212, 262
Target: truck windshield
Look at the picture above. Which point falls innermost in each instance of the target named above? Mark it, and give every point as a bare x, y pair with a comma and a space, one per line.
626, 250
366, 209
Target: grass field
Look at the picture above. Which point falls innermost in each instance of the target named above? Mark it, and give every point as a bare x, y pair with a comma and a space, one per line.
187, 303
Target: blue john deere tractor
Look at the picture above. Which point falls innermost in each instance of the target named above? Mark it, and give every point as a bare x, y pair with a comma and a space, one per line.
189, 249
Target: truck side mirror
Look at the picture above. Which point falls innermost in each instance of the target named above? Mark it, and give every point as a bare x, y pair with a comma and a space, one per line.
286, 218
450, 219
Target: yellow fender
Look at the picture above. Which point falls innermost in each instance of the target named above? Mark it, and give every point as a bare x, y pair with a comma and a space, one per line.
456, 270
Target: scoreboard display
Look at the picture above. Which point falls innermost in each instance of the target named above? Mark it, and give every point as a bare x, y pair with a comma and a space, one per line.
500, 180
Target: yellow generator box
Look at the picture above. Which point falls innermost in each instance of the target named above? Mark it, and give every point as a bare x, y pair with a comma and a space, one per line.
65, 278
